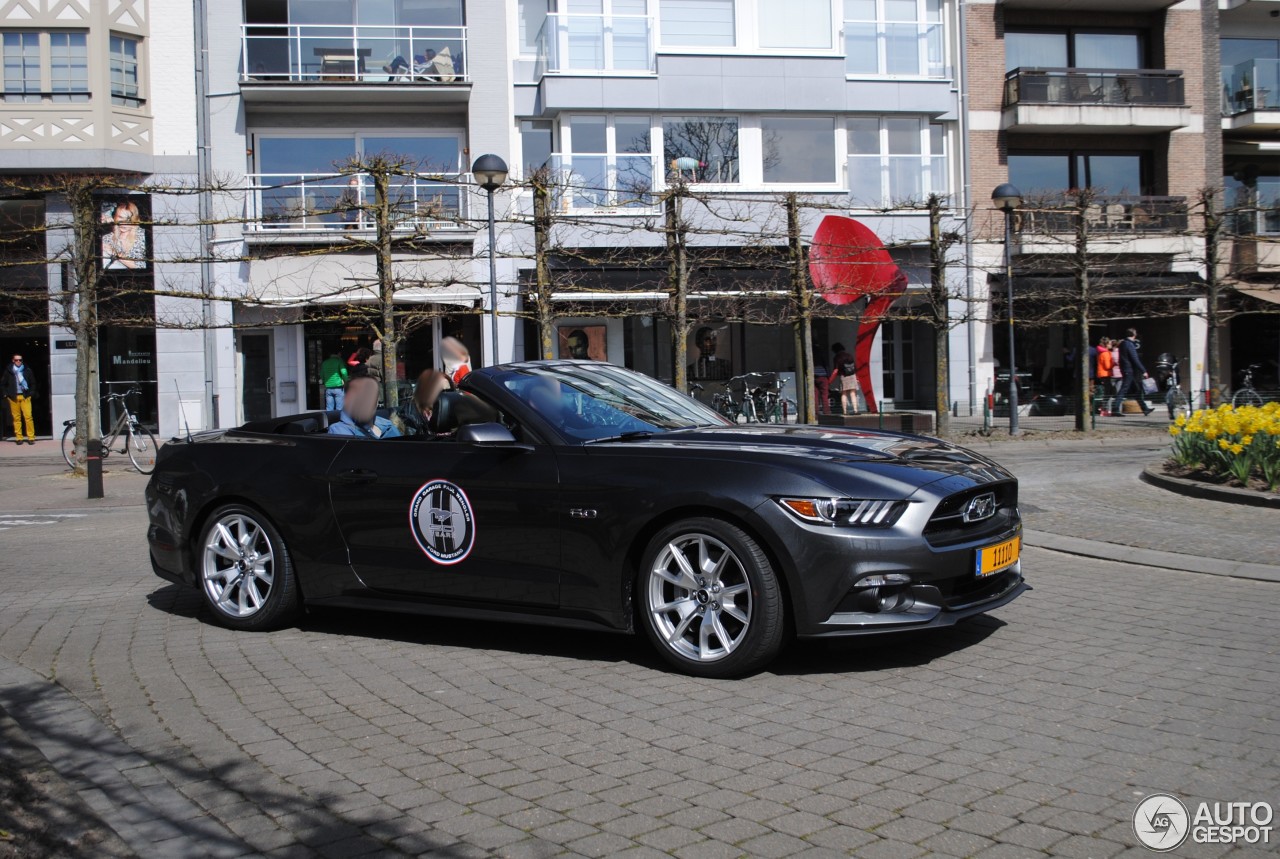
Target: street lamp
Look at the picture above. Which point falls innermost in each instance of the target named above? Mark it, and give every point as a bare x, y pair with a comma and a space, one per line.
490, 172
1007, 199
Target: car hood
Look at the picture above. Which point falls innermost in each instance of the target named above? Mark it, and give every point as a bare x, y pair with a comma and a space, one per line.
910, 461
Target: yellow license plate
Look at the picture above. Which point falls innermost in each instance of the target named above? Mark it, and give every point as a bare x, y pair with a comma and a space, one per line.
994, 559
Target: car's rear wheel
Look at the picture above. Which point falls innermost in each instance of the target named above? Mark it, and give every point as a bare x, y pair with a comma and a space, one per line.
710, 599
246, 575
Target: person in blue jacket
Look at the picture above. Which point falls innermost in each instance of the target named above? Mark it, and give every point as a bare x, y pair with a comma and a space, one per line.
1131, 375
359, 412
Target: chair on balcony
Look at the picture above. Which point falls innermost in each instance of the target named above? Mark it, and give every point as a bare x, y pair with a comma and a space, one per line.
1080, 90
1093, 216
1119, 217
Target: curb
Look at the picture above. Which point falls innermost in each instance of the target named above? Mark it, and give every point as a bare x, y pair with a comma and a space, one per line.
1151, 557
1197, 489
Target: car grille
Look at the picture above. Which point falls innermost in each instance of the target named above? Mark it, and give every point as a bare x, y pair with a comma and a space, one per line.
946, 527
971, 589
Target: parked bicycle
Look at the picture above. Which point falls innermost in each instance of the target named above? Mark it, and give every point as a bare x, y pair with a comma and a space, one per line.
1247, 394
1174, 397
753, 397
135, 439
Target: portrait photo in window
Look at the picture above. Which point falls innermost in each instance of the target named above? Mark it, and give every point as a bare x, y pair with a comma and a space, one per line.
126, 233
583, 342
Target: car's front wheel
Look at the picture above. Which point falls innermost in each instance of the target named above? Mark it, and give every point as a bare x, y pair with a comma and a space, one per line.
710, 599
246, 575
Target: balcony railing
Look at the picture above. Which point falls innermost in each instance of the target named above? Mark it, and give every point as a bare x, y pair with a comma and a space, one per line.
1105, 215
1132, 87
600, 44
305, 53
603, 182
1251, 85
315, 202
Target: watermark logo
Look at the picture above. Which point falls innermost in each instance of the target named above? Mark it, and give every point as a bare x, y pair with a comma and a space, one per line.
1161, 822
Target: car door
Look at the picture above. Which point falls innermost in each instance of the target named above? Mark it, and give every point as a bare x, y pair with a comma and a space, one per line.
439, 518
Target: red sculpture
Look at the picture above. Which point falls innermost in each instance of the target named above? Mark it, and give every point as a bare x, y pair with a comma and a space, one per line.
847, 262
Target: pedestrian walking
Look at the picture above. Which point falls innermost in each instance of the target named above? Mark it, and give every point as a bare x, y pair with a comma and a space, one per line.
1132, 374
19, 386
333, 375
1102, 373
843, 378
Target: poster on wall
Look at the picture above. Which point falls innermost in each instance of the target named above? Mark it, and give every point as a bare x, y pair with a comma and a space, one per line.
126, 233
584, 342
710, 346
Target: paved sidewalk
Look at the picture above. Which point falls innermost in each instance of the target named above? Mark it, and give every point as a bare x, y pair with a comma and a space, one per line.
35, 478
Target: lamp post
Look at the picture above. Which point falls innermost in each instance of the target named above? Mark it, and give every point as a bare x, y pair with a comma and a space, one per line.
1007, 199
489, 172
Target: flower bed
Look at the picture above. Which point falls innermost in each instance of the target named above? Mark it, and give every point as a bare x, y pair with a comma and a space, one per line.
1242, 444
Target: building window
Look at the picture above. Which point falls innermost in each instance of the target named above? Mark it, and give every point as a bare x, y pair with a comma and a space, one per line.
701, 148
22, 67
608, 162
1074, 49
68, 67
124, 71
531, 15
894, 37
799, 150
794, 23
298, 187
896, 160
1053, 173
535, 144
698, 23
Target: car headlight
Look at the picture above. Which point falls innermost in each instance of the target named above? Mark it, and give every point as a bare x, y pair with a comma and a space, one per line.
845, 511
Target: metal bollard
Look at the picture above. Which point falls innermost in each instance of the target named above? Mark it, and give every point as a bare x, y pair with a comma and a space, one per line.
93, 463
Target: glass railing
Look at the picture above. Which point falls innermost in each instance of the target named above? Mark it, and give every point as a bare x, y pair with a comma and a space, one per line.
581, 43
1118, 214
306, 53
1155, 87
1251, 85
908, 49
321, 202
602, 182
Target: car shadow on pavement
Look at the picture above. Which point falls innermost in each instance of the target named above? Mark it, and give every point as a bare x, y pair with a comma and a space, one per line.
813, 656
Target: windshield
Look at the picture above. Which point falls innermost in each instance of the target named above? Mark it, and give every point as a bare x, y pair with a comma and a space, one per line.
589, 402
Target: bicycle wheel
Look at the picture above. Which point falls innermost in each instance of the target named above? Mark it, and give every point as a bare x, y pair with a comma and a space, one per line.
142, 448
1246, 397
69, 445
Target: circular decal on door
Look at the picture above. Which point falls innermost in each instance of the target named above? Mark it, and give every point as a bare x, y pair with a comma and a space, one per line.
442, 523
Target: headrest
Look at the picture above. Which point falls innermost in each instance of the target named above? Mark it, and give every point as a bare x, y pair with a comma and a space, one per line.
454, 409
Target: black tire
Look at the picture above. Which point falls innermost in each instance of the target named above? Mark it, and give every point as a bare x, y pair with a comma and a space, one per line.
735, 601
69, 445
1247, 397
142, 449
231, 576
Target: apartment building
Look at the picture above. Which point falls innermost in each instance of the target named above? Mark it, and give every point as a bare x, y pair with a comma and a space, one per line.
81, 94
1249, 50
853, 106
1114, 96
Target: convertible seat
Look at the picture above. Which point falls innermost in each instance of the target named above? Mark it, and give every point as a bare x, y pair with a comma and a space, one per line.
454, 409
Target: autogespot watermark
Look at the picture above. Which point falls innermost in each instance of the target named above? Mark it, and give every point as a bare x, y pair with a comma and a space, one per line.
1163, 822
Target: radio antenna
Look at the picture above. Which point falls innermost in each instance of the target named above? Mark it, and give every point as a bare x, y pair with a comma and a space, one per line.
182, 411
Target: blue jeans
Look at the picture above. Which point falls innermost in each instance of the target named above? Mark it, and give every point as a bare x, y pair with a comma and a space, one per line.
1130, 386
333, 399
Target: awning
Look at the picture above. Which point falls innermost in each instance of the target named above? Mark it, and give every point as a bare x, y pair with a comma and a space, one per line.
1169, 285
465, 297
1267, 293
618, 295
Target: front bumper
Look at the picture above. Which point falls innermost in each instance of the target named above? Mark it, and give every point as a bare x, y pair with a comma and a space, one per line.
934, 586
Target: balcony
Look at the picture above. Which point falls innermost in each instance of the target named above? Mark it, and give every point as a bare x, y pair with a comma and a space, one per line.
589, 44
317, 63
1251, 96
326, 207
1108, 217
621, 184
1115, 101
1090, 5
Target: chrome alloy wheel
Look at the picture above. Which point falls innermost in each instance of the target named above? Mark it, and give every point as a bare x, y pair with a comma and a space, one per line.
699, 597
239, 565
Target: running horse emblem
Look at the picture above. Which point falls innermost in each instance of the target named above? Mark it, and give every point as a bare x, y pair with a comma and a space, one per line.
847, 262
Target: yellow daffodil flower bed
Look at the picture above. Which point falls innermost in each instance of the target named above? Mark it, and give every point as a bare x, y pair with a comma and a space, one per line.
1238, 442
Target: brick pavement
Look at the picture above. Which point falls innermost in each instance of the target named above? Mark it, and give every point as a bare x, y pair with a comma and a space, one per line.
1031, 733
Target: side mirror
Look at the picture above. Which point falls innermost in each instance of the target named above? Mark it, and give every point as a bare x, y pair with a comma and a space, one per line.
488, 433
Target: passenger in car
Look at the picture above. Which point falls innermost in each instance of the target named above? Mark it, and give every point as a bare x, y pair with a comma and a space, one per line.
359, 412
413, 414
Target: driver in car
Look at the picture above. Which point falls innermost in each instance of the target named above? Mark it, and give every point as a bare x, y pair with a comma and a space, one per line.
359, 412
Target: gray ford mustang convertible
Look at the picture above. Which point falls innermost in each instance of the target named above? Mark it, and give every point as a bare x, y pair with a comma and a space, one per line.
581, 494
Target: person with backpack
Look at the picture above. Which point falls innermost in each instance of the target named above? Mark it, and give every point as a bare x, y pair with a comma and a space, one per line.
843, 378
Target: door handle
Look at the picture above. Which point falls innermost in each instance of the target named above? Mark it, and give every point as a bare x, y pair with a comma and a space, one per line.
353, 476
